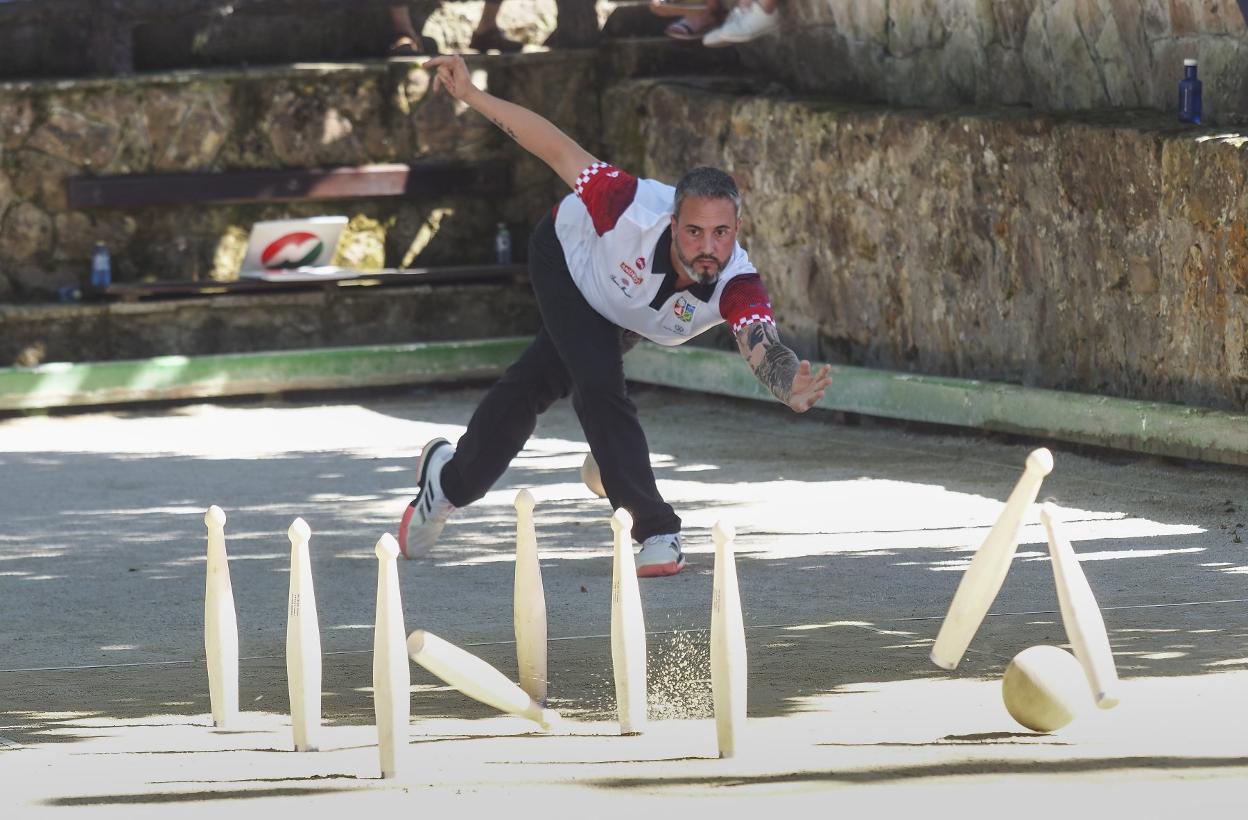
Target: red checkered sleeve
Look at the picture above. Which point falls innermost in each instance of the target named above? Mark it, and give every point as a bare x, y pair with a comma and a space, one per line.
607, 192
744, 302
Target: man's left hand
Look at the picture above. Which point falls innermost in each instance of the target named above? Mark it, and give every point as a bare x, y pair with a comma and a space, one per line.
808, 386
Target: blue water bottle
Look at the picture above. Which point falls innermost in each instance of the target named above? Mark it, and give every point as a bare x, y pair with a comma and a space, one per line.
101, 267
502, 245
1189, 94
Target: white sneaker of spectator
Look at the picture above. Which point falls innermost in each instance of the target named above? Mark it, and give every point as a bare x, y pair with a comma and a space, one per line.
743, 25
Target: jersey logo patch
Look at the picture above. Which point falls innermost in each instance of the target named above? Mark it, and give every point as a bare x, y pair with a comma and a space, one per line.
641, 263
679, 320
632, 274
684, 309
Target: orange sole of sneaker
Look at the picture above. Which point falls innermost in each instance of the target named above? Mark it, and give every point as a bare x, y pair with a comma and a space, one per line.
407, 517
660, 570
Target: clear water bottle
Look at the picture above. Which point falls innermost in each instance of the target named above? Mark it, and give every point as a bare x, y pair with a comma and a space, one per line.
502, 245
1189, 94
101, 267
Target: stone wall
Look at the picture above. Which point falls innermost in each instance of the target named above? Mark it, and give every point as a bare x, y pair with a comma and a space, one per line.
293, 117
1049, 54
1105, 255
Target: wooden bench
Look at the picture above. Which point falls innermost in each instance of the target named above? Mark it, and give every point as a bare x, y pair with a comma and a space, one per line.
490, 178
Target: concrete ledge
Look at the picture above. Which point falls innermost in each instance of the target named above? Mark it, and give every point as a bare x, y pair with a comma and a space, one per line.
239, 374
1138, 426
1145, 427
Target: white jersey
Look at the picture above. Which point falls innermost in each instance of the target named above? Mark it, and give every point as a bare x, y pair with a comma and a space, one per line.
616, 236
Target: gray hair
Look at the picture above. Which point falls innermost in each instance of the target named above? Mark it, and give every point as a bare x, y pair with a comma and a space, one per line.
709, 183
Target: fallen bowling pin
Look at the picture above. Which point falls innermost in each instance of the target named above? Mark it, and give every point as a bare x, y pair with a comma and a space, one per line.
391, 674
220, 625
983, 578
628, 630
1085, 626
303, 643
529, 604
475, 678
728, 656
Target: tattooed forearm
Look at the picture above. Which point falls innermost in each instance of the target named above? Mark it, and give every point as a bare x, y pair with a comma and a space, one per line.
779, 368
504, 129
773, 364
756, 334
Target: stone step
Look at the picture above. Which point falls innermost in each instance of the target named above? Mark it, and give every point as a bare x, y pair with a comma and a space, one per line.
355, 313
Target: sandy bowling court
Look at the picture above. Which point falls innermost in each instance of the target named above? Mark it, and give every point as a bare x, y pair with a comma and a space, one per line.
850, 542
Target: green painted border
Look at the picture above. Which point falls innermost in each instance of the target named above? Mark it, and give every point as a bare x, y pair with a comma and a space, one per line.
1139, 426
237, 374
1147, 427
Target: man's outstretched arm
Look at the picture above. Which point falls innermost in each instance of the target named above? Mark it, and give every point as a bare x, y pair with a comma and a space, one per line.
790, 380
535, 133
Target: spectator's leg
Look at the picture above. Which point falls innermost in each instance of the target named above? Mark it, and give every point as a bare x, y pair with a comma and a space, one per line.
577, 25
488, 36
408, 41
489, 17
401, 21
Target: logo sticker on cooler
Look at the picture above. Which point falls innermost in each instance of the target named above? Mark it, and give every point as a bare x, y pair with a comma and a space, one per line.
294, 250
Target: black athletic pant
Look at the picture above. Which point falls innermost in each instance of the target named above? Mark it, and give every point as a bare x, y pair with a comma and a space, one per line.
576, 351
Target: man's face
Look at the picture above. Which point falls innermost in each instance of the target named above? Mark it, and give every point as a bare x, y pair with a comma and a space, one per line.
703, 235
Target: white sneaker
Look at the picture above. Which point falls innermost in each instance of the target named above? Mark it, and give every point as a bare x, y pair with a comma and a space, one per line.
426, 516
742, 25
660, 555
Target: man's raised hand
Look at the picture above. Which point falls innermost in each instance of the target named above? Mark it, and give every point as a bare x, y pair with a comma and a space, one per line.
452, 75
808, 387
533, 132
